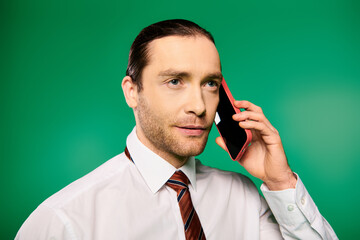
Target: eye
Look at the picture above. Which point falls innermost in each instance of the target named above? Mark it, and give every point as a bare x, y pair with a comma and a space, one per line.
212, 84
174, 82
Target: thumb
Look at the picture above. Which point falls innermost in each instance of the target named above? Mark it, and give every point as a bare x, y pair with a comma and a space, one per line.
220, 142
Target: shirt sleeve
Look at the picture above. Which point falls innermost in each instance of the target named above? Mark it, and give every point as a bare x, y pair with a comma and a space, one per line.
44, 224
297, 214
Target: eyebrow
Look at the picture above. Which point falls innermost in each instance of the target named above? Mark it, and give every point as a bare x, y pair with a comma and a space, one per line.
215, 76
173, 73
170, 72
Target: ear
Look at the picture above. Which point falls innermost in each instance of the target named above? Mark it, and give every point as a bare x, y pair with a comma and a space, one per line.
130, 91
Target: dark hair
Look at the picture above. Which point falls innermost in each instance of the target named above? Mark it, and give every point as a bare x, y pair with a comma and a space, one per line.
138, 56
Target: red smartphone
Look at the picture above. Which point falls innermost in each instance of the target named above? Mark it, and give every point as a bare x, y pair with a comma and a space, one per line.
236, 138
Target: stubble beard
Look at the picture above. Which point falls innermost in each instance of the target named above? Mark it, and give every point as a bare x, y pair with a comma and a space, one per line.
160, 132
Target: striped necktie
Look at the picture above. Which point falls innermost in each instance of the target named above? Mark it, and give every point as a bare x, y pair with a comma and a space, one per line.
192, 226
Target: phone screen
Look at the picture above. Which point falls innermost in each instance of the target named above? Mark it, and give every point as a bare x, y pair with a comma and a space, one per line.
234, 136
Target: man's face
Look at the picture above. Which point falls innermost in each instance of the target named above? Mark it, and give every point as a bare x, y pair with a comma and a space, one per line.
176, 107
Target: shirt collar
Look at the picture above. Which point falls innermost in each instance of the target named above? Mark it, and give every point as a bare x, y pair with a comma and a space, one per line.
154, 169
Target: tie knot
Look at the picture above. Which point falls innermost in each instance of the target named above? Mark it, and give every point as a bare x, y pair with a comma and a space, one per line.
178, 181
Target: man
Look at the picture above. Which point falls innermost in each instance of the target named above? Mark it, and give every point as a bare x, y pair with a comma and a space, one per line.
156, 189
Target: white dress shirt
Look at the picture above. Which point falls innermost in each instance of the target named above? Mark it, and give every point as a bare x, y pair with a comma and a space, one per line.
126, 200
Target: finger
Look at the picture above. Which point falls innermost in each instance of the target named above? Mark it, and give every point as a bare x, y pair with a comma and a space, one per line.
220, 142
260, 126
253, 116
248, 106
247, 115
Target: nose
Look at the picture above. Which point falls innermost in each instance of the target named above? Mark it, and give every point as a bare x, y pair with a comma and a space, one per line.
195, 103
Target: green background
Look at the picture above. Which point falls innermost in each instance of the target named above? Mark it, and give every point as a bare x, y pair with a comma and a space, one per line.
63, 112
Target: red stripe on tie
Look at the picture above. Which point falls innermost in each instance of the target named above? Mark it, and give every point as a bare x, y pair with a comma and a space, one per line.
128, 154
194, 229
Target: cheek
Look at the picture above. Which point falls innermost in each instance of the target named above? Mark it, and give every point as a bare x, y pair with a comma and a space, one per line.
162, 106
211, 104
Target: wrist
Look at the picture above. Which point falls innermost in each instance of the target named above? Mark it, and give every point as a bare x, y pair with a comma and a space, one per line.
287, 182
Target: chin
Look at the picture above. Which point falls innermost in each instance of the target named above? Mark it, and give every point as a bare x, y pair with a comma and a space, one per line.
192, 147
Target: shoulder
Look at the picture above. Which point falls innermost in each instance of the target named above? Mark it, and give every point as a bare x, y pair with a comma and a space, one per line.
79, 199
97, 179
42, 221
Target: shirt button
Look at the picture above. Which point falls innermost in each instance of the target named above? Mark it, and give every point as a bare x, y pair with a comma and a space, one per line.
290, 208
303, 201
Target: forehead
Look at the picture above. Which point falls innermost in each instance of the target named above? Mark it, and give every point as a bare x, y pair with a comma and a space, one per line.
195, 54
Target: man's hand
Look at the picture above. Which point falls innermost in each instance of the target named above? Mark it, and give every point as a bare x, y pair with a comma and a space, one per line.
265, 157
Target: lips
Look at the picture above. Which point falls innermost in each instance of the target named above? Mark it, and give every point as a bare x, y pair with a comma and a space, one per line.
191, 130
